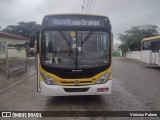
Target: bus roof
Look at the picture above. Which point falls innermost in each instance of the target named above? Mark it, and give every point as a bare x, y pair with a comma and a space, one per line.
76, 14
76, 21
151, 38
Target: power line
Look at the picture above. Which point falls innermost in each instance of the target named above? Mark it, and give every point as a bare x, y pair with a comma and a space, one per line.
83, 6
89, 6
86, 7
92, 6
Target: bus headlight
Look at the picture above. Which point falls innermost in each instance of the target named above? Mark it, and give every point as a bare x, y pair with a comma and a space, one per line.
48, 80
104, 78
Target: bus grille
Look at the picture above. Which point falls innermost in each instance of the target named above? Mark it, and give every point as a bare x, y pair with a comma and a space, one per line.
76, 89
72, 83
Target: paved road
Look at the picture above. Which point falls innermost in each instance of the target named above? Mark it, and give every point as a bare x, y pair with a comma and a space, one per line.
135, 88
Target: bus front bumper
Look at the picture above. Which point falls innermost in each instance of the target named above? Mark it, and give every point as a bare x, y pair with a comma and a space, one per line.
56, 90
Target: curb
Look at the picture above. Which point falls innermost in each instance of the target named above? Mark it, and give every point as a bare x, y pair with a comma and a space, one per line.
16, 83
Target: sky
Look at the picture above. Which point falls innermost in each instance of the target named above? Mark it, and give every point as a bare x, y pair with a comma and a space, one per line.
123, 14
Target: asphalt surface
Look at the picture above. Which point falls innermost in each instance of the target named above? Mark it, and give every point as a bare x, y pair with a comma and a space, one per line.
136, 87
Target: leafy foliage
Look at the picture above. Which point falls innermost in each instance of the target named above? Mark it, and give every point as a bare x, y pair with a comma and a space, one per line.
131, 39
23, 28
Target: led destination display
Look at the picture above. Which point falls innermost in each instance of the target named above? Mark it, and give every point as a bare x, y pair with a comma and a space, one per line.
70, 21
75, 22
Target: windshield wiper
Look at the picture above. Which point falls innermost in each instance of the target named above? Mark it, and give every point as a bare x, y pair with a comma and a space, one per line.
87, 37
64, 37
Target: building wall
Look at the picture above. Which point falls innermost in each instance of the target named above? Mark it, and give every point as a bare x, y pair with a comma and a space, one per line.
146, 56
10, 40
134, 55
155, 58
12, 53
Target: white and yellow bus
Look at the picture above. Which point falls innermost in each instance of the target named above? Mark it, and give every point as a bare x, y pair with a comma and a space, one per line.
74, 55
150, 52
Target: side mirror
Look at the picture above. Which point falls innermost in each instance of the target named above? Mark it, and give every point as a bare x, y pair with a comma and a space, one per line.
32, 41
35, 37
37, 40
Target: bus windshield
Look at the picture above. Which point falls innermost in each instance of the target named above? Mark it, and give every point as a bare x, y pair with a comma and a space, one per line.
75, 49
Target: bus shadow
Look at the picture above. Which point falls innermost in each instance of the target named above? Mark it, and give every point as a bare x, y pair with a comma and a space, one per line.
153, 67
76, 102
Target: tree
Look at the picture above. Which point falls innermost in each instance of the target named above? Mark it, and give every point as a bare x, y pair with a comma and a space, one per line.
131, 39
22, 29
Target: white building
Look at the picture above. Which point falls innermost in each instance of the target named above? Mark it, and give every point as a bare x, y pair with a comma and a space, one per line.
8, 39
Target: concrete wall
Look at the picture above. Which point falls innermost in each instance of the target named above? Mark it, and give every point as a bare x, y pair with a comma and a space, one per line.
2, 56
146, 56
134, 55
155, 59
12, 53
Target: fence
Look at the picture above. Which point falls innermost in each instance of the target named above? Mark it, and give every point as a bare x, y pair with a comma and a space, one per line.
14, 59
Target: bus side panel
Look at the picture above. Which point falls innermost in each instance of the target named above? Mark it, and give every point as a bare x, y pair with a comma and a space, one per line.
38, 75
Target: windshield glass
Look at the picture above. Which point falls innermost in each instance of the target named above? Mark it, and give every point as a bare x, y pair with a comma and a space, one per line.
75, 49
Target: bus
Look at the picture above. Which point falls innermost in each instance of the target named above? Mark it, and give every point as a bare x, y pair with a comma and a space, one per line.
151, 50
73, 55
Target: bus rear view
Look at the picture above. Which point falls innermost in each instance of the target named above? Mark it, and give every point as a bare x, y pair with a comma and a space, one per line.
74, 55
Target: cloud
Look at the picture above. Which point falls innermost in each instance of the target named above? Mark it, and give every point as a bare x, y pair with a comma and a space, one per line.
123, 14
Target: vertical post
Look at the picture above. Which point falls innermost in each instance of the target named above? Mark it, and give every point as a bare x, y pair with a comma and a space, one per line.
38, 74
150, 57
141, 52
26, 50
7, 61
35, 55
155, 58
159, 57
